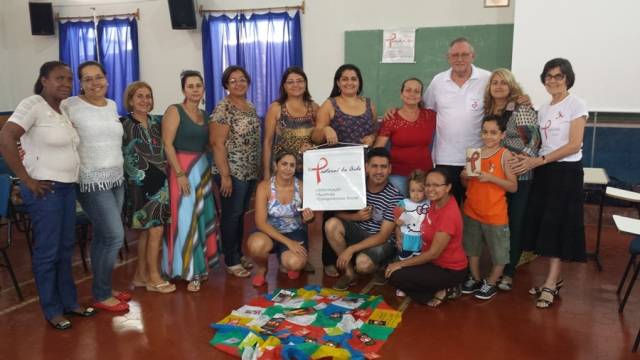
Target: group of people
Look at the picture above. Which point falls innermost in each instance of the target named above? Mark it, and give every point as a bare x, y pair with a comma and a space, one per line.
418, 230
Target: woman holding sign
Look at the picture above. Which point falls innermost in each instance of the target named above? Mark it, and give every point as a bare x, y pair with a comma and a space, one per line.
281, 225
345, 117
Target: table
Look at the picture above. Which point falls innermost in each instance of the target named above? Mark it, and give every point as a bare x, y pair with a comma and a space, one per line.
598, 178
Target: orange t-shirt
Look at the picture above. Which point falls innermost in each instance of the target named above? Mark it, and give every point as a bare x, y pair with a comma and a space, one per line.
487, 202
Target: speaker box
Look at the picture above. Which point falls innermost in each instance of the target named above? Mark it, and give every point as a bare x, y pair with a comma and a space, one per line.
183, 14
41, 15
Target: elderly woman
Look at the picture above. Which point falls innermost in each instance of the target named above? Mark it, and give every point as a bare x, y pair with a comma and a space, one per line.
235, 138
290, 119
101, 178
48, 176
147, 203
522, 138
345, 117
281, 225
554, 226
410, 131
442, 263
192, 233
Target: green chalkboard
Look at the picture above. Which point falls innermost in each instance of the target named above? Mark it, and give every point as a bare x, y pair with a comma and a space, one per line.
492, 43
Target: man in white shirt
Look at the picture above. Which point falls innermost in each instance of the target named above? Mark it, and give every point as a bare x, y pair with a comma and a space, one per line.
457, 96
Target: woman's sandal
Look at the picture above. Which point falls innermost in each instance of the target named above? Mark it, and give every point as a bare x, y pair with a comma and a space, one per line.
546, 298
238, 271
164, 287
84, 312
246, 262
60, 324
537, 290
137, 283
438, 300
194, 286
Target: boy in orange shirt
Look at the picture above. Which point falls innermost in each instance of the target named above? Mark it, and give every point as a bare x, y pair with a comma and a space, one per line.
485, 209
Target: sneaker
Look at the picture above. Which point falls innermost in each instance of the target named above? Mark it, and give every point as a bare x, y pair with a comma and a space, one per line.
471, 286
486, 292
379, 278
505, 283
344, 282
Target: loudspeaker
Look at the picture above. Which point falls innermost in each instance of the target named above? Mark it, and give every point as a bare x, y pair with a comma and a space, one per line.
183, 14
41, 15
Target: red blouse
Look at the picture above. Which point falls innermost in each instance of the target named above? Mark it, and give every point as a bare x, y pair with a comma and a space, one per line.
448, 220
410, 141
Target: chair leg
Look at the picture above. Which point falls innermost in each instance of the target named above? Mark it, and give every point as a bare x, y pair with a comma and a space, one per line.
82, 243
635, 345
13, 275
626, 272
626, 295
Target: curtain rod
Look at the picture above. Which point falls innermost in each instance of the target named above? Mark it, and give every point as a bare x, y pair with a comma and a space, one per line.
300, 7
134, 14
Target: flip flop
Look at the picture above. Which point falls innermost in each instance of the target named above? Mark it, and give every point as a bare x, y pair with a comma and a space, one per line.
194, 286
164, 287
62, 324
84, 312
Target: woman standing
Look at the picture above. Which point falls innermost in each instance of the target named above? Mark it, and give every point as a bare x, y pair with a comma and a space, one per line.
555, 216
192, 233
442, 263
48, 176
235, 138
281, 225
291, 119
345, 117
147, 207
522, 138
410, 130
101, 178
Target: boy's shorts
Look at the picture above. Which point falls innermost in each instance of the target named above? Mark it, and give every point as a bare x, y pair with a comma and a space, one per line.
496, 236
379, 254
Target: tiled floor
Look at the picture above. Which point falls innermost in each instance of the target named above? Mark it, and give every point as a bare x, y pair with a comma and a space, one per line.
583, 324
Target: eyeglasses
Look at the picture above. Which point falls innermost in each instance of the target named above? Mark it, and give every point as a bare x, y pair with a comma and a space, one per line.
90, 79
296, 82
434, 185
556, 77
237, 81
463, 56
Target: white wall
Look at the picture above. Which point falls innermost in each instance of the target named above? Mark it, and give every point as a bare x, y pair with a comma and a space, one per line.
165, 52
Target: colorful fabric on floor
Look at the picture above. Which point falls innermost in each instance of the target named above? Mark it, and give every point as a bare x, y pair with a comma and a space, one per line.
307, 323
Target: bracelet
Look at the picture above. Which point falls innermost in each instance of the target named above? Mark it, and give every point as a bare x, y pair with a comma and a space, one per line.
180, 173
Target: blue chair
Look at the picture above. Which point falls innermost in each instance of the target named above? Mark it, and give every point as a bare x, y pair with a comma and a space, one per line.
6, 221
634, 251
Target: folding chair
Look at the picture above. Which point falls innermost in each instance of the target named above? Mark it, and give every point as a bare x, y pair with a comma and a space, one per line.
5, 221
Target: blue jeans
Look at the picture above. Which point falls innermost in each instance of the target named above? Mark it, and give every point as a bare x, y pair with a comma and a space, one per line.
232, 213
53, 219
103, 207
401, 183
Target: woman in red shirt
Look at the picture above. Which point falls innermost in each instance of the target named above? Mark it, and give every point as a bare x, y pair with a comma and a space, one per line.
410, 130
442, 263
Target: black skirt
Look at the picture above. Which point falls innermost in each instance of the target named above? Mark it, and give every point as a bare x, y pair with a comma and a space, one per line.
554, 224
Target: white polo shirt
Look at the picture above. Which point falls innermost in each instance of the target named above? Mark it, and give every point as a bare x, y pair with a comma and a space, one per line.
555, 122
50, 141
459, 114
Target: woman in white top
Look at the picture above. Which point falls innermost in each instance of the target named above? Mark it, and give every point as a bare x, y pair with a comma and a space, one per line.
48, 175
101, 178
555, 224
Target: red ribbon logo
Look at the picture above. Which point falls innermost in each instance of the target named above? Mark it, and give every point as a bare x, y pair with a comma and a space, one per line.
472, 160
320, 167
545, 128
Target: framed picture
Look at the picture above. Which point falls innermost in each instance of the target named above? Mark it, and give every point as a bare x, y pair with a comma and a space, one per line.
496, 3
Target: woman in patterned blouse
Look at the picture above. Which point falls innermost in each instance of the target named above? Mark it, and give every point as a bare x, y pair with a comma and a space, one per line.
523, 139
289, 121
234, 134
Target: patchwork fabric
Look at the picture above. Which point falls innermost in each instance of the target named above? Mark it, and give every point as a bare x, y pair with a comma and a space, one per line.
307, 323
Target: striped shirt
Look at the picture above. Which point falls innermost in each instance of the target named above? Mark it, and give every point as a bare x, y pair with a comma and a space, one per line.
383, 203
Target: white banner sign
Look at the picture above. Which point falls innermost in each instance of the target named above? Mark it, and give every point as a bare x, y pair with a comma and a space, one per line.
398, 46
334, 179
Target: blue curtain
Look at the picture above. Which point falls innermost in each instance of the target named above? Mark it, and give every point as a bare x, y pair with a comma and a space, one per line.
264, 44
118, 46
77, 45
